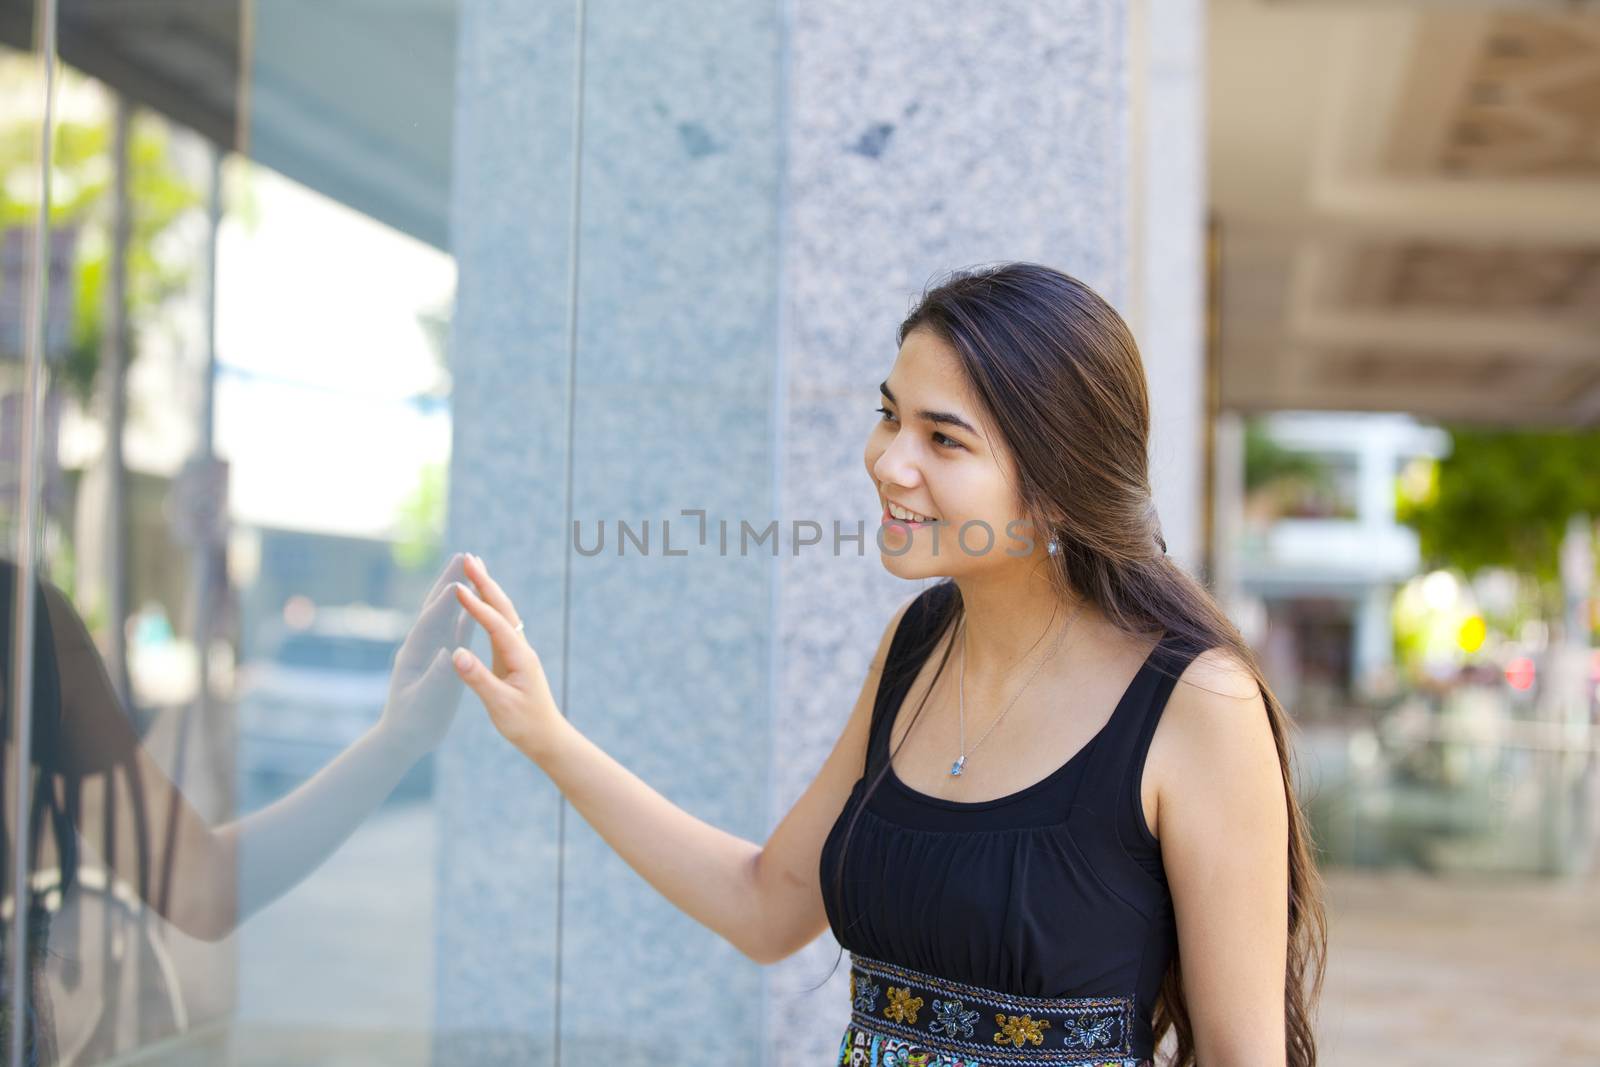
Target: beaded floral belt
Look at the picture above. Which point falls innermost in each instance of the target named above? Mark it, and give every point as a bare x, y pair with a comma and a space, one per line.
905, 1018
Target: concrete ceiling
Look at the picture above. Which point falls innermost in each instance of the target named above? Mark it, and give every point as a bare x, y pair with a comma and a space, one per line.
1406, 199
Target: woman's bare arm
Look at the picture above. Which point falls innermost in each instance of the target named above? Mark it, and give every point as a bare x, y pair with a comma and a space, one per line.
1223, 824
787, 870
764, 900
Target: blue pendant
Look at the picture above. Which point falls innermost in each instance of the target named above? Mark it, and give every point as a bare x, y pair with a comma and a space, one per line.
955, 768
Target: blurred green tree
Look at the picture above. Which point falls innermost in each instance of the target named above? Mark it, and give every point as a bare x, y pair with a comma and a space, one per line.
80, 198
1502, 498
418, 536
1289, 482
1266, 461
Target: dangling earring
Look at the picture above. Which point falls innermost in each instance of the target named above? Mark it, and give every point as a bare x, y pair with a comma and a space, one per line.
1053, 547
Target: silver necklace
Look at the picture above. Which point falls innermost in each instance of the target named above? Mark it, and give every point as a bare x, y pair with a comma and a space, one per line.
961, 706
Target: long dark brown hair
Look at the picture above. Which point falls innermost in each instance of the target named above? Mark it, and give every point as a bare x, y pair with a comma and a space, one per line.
1059, 374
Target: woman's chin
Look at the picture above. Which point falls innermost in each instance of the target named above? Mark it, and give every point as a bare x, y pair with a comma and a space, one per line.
910, 564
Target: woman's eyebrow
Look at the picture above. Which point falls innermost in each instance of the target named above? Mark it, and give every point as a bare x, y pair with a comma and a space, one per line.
944, 418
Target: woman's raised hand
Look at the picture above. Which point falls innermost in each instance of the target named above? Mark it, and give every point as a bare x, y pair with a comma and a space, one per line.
514, 688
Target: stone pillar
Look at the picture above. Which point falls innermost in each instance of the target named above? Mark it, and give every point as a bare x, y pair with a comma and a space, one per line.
616, 223
1166, 254
498, 887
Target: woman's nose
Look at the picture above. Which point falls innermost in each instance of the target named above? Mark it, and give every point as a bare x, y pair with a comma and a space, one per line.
894, 466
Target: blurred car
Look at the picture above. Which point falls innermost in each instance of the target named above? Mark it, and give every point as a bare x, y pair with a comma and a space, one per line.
316, 693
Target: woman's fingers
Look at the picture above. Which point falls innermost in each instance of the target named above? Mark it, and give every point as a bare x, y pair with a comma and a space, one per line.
507, 643
490, 590
513, 687
496, 598
497, 695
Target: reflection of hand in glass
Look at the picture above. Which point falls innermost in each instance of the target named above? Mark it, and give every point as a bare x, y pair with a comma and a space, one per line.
275, 847
424, 691
206, 879
96, 779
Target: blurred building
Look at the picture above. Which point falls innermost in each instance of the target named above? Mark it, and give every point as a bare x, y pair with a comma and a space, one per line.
1323, 560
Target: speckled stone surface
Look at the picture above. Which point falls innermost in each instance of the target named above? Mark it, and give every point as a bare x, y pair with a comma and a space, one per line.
662, 659
925, 137
498, 847
676, 361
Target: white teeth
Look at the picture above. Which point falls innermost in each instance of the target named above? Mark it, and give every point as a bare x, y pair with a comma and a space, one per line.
910, 516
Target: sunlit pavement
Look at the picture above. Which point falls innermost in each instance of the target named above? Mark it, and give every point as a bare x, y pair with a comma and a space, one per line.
1459, 971
339, 972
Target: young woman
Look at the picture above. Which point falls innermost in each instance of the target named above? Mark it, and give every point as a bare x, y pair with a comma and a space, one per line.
1082, 836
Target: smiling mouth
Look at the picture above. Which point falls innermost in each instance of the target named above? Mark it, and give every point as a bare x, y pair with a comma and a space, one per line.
906, 516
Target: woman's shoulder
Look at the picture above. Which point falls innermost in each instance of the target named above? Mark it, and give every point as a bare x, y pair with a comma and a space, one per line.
1214, 744
1213, 677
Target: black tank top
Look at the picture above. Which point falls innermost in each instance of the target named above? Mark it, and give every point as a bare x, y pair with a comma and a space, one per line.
1056, 890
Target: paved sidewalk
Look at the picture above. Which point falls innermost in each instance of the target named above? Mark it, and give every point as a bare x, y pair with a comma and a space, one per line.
1461, 972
